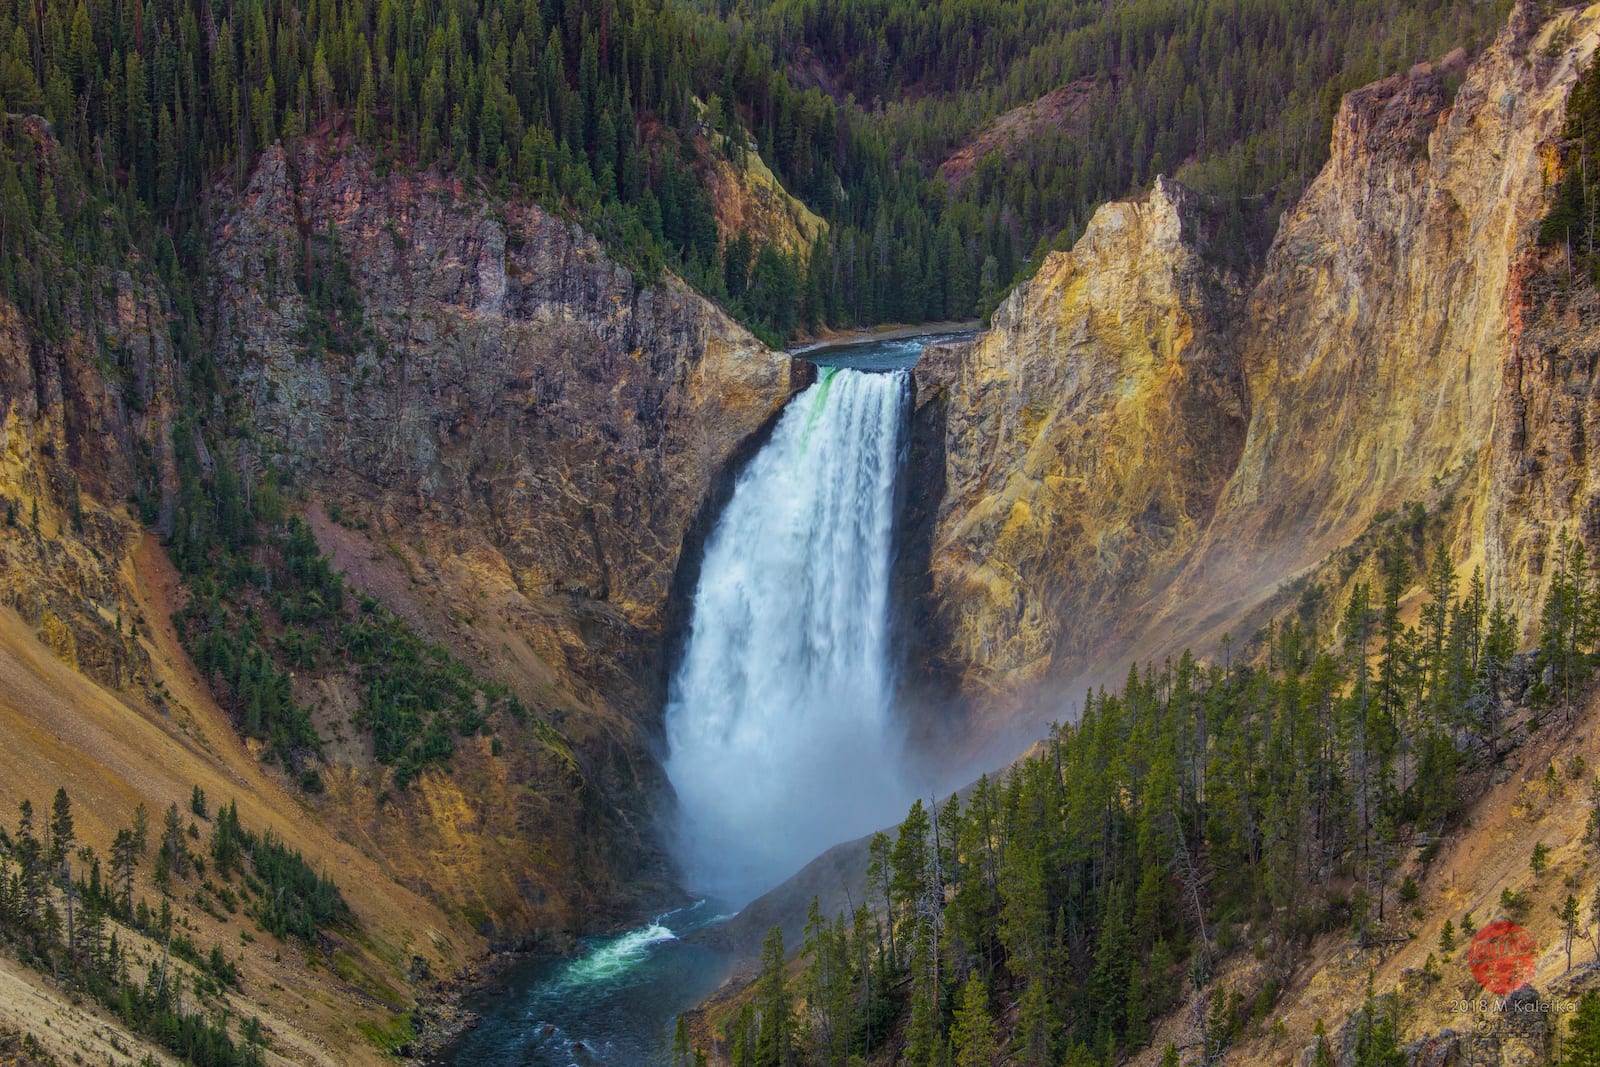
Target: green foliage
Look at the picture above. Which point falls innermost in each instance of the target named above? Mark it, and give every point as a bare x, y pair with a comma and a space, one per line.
89, 952
774, 1047
393, 1037
973, 1032
1569, 624
1582, 1045
334, 315
1514, 903
1378, 1034
295, 900
266, 604
1570, 915
1199, 801
1225, 96
1574, 216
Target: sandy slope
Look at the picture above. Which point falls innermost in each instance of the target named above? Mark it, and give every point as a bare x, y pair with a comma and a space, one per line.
114, 750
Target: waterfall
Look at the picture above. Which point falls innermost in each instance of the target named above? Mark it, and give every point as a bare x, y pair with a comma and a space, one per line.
783, 741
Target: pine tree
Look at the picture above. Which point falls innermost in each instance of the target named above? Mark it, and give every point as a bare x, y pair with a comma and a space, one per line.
1562, 626
1324, 1052
124, 860
62, 833
1569, 917
775, 1044
174, 849
1377, 1037
973, 1031
141, 828
1582, 1046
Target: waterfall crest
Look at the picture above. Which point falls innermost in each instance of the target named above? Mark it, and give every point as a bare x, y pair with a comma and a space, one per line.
779, 719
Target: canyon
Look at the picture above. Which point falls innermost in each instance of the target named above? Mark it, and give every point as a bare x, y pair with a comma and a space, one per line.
1152, 444
512, 464
519, 447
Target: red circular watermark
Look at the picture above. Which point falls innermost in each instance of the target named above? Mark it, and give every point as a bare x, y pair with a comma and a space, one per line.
1502, 956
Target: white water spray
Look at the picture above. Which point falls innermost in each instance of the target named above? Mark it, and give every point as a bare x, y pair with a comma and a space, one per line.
783, 741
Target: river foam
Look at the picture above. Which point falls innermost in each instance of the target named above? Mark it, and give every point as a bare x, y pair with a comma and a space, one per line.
780, 721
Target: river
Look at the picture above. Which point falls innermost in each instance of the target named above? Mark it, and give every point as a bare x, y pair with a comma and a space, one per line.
783, 740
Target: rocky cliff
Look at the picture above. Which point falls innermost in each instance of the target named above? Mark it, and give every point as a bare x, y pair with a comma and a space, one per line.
498, 433
1138, 457
86, 423
506, 380
1087, 436
509, 439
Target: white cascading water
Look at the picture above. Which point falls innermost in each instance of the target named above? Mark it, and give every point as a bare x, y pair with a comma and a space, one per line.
783, 740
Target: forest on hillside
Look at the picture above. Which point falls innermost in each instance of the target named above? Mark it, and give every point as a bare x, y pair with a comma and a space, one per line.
613, 110
73, 913
1058, 912
1234, 98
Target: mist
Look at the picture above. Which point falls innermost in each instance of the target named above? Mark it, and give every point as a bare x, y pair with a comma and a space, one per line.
780, 721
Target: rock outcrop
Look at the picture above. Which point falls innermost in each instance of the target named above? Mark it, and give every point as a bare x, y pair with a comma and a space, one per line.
508, 438
1086, 438
1375, 339
1545, 476
1136, 461
86, 423
509, 381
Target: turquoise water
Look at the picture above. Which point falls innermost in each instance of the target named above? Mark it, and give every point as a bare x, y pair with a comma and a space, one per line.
899, 354
616, 1001
613, 1004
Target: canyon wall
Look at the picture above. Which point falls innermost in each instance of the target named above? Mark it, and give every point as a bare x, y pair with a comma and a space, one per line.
1086, 438
1142, 453
508, 438
496, 431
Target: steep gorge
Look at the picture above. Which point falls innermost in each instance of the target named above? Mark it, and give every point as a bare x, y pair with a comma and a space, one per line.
521, 434
1377, 356
497, 433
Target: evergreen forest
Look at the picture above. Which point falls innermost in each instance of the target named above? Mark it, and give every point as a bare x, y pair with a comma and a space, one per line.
1056, 912
613, 111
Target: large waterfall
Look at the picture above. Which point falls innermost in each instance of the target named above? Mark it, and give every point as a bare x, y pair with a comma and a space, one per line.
782, 736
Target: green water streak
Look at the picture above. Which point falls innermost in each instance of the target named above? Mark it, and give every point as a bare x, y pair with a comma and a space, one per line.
820, 401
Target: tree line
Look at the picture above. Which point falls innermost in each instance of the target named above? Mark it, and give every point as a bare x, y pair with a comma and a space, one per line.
67, 912
1236, 99
615, 111
1060, 910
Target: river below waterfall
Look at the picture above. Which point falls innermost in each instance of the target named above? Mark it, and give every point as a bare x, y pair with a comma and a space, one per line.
783, 738
613, 1004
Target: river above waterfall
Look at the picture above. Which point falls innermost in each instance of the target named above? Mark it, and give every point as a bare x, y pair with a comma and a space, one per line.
895, 353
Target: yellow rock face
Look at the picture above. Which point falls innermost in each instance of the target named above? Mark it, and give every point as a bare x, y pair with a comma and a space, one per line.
749, 198
1139, 454
1088, 435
